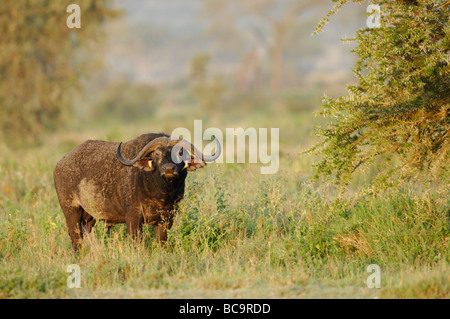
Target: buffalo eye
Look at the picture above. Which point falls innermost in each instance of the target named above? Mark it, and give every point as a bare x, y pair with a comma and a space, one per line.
149, 155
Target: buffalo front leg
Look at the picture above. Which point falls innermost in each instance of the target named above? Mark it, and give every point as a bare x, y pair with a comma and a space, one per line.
134, 225
161, 231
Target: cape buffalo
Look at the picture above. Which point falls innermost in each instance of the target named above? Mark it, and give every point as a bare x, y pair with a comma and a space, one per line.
95, 181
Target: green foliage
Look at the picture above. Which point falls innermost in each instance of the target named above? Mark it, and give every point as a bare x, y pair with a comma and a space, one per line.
42, 62
399, 109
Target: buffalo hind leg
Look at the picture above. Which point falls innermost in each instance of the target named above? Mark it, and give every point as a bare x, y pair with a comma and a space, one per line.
74, 217
87, 222
78, 222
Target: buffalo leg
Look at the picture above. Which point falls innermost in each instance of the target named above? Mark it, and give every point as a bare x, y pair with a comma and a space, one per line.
87, 222
161, 231
134, 225
74, 219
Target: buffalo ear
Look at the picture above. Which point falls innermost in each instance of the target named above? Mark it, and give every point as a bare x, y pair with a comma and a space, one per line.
146, 165
193, 165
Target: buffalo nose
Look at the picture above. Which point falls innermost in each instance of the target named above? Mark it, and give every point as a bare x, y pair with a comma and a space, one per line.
168, 169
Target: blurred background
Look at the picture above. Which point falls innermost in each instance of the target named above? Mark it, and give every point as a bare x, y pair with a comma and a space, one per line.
148, 66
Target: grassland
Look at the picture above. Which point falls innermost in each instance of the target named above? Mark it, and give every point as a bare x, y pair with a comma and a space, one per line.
238, 234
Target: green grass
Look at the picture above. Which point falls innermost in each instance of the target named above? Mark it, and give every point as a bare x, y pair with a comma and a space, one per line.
238, 234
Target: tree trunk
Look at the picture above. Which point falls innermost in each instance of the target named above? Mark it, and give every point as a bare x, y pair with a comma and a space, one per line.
277, 58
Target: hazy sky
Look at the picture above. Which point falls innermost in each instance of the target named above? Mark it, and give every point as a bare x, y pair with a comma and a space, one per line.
156, 39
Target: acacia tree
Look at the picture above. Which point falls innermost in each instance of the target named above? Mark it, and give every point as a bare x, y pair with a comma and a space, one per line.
208, 90
398, 112
42, 62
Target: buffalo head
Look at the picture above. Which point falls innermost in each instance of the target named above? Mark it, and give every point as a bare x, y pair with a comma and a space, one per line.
169, 157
